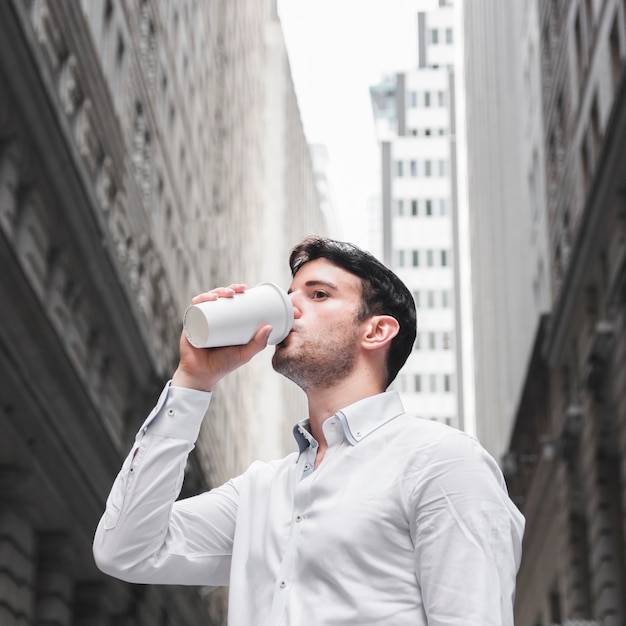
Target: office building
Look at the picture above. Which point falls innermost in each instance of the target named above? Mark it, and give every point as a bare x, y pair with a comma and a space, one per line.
415, 122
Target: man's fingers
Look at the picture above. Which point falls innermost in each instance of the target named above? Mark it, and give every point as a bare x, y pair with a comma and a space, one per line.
219, 292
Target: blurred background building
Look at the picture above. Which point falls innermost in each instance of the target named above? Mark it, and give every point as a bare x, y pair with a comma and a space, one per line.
414, 113
148, 151
546, 118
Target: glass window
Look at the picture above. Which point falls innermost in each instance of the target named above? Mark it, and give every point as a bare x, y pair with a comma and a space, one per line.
432, 341
429, 258
443, 206
427, 168
416, 258
429, 207
416, 297
417, 382
447, 383
413, 207
441, 99
442, 168
427, 99
433, 383
444, 258
413, 99
413, 168
434, 36
399, 169
431, 299
445, 299
449, 36
400, 207
400, 258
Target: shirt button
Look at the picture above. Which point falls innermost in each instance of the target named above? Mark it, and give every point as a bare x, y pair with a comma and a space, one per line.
282, 584
307, 467
171, 412
299, 518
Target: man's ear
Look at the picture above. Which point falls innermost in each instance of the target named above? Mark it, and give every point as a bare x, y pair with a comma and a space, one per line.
380, 330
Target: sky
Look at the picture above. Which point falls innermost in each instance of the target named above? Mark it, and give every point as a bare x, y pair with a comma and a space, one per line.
337, 49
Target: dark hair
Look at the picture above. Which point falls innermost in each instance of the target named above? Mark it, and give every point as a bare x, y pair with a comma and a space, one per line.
382, 292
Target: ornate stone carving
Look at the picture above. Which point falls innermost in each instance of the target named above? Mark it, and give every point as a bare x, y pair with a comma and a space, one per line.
86, 139
47, 31
70, 92
10, 157
32, 241
105, 187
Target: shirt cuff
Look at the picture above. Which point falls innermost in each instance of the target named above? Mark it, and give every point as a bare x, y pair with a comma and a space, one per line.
178, 413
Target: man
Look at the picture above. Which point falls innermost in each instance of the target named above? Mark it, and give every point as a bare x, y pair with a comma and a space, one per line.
378, 518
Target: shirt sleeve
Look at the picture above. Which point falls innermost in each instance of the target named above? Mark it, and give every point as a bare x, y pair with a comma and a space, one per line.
467, 535
145, 535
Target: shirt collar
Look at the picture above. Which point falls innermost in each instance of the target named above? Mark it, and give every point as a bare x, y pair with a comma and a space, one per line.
358, 420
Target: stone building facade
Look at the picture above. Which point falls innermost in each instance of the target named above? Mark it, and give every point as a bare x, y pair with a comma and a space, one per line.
566, 466
133, 174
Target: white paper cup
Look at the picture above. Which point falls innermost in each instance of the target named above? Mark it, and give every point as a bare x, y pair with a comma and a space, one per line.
234, 321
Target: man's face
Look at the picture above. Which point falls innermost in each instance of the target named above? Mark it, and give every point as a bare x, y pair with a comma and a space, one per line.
322, 347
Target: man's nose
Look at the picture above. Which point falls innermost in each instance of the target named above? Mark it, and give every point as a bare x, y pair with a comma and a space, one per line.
294, 302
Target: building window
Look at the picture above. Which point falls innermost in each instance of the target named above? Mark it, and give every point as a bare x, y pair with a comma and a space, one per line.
417, 383
445, 299
449, 36
433, 383
444, 258
400, 258
416, 297
429, 258
442, 168
443, 206
413, 99
399, 169
431, 299
441, 99
427, 168
446, 341
432, 341
416, 258
427, 99
413, 208
434, 36
429, 207
447, 383
400, 207
413, 169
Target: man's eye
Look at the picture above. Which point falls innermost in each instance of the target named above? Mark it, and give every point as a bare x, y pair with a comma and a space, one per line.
318, 295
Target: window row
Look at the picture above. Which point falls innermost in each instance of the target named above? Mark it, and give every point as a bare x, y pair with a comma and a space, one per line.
432, 299
425, 258
427, 132
441, 35
427, 99
427, 168
433, 341
425, 383
428, 207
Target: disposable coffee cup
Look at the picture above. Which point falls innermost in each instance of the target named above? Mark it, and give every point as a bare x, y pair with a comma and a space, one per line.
234, 321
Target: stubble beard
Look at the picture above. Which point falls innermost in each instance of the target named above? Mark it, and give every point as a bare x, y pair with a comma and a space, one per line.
318, 365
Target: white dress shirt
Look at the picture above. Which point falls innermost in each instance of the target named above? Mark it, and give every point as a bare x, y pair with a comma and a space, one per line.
405, 521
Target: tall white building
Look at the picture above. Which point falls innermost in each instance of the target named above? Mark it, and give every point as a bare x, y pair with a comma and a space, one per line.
414, 114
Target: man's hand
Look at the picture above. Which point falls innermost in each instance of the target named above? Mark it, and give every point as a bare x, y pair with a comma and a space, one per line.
202, 368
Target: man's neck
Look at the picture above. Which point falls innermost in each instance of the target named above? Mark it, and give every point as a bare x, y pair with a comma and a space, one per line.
323, 403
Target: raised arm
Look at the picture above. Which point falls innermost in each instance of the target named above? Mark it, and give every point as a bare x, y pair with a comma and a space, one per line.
145, 536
